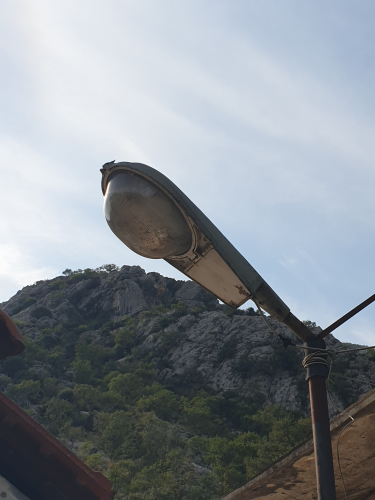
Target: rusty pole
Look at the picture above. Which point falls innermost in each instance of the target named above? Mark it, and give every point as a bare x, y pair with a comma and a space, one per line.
316, 374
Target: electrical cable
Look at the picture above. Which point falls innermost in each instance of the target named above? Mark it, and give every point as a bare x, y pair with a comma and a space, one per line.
286, 342
351, 378
315, 358
342, 430
338, 453
347, 425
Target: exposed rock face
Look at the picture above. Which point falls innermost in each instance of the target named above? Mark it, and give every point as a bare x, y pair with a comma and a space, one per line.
200, 338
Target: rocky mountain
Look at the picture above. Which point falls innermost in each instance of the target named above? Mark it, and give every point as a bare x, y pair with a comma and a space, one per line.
228, 350
222, 373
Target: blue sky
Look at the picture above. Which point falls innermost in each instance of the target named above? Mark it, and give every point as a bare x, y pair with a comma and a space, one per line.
261, 111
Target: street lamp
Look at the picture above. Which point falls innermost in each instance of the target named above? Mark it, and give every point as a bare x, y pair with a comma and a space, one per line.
155, 219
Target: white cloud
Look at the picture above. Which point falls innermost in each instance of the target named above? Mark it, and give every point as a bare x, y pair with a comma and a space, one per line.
363, 333
269, 145
18, 270
31, 184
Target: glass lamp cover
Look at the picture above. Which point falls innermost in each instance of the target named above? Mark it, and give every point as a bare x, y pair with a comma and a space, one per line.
143, 217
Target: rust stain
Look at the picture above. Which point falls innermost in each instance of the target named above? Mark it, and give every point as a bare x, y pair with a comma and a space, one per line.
242, 291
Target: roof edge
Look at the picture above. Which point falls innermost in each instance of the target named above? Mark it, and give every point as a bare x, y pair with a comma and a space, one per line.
307, 446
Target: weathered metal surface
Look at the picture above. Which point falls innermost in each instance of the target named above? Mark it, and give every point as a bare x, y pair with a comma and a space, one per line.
298, 328
325, 477
209, 268
315, 363
213, 273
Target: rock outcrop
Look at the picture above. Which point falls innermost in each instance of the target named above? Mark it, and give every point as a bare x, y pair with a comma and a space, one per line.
188, 332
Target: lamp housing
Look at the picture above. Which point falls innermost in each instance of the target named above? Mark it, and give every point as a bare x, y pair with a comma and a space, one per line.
155, 219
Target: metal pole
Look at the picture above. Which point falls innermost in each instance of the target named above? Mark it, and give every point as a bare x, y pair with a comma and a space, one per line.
346, 317
316, 374
325, 477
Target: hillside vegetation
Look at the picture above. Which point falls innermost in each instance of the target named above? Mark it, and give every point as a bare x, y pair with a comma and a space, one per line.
151, 381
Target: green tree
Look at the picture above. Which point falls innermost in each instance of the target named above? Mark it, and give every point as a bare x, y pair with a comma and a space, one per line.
50, 387
283, 434
86, 397
96, 354
197, 414
229, 457
154, 484
25, 392
101, 421
156, 440
264, 420
108, 268
146, 371
70, 435
164, 403
56, 362
128, 385
125, 338
57, 413
121, 474
119, 437
67, 394
205, 487
82, 371
97, 462
4, 382
111, 402
84, 450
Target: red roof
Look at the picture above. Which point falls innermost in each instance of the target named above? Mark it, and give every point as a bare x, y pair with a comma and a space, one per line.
11, 342
39, 465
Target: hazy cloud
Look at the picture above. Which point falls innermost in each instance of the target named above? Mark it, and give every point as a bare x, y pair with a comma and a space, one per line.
261, 112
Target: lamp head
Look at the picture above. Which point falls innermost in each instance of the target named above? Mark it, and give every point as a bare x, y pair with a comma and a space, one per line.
155, 219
